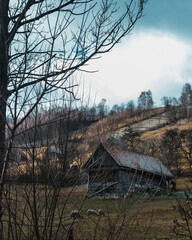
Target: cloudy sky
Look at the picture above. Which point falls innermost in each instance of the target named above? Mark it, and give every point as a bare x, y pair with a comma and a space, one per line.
156, 56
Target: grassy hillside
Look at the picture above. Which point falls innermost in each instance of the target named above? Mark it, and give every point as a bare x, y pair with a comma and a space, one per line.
150, 218
116, 124
150, 126
158, 132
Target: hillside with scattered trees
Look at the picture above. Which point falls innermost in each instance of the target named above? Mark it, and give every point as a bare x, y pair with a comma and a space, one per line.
162, 132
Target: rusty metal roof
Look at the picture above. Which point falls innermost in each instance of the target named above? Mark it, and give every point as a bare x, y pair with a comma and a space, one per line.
138, 161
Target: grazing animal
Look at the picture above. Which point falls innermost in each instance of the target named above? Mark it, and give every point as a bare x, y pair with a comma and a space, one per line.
76, 214
92, 212
101, 212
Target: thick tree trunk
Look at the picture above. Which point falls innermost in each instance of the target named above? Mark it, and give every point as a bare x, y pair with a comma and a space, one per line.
3, 74
3, 92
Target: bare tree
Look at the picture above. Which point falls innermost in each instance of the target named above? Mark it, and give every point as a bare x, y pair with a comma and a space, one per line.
102, 108
132, 139
33, 209
42, 44
183, 219
170, 148
186, 145
174, 111
186, 99
145, 100
131, 108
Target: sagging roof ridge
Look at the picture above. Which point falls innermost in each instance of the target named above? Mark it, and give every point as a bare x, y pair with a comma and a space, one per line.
158, 162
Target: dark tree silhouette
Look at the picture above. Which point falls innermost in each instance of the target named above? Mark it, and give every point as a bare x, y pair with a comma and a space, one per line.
186, 100
42, 44
145, 100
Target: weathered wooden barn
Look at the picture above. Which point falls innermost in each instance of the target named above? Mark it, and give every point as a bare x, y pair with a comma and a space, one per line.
115, 172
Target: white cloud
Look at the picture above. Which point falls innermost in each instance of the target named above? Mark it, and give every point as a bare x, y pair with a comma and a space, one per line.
147, 61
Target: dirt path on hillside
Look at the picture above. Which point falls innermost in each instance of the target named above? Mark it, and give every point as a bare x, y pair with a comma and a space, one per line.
144, 125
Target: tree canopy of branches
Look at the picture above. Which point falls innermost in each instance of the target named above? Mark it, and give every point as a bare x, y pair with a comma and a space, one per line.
186, 100
186, 95
145, 100
42, 44
170, 148
132, 139
102, 108
186, 145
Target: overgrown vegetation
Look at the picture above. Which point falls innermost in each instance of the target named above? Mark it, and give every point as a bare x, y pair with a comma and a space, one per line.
135, 218
42, 135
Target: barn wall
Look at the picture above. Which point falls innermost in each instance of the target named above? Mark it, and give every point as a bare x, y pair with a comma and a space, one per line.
133, 181
125, 182
103, 182
103, 174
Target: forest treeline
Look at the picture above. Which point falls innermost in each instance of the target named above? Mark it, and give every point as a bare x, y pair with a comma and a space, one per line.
70, 127
72, 118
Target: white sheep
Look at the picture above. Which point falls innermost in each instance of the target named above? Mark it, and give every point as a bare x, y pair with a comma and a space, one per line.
92, 212
76, 214
101, 212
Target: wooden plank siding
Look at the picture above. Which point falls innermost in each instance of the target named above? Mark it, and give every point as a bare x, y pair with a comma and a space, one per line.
108, 178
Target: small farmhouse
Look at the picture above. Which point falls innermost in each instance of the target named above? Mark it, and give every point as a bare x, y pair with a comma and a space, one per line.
116, 172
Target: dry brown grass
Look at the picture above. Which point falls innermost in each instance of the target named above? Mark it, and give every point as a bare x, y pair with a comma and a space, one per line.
157, 134
133, 218
136, 218
183, 184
